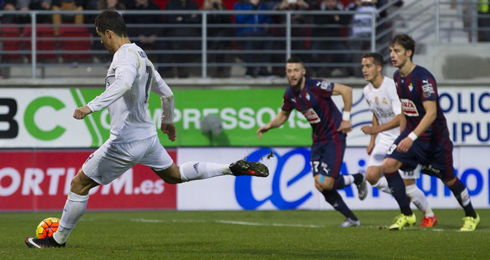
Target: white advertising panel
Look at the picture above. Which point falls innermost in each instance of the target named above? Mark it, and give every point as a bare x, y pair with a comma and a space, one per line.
41, 118
290, 183
467, 111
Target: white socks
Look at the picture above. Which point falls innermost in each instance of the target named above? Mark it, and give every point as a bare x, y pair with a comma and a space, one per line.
418, 198
190, 171
348, 179
382, 185
74, 208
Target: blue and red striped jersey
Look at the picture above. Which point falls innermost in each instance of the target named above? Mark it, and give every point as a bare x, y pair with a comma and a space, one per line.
315, 103
413, 90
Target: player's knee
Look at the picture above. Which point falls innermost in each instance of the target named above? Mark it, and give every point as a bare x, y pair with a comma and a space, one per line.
372, 176
451, 182
408, 182
171, 175
328, 183
81, 184
390, 165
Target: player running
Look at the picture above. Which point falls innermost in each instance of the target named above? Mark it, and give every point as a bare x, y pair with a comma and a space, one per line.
425, 136
381, 96
312, 97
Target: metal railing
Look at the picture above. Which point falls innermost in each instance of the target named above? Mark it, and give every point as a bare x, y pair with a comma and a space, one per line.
290, 35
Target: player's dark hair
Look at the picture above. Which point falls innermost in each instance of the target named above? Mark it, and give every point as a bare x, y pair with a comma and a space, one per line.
295, 59
377, 58
405, 41
111, 20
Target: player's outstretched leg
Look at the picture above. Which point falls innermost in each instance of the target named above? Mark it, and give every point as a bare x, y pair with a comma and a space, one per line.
42, 242
243, 167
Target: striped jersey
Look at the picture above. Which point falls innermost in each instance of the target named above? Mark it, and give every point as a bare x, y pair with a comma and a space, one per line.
315, 103
417, 87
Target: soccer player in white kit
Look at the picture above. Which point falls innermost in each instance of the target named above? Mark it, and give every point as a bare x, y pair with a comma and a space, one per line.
133, 137
381, 96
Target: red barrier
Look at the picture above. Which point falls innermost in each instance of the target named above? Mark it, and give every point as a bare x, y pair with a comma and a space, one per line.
40, 180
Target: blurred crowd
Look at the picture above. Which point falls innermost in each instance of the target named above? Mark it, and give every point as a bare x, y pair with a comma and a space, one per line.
317, 39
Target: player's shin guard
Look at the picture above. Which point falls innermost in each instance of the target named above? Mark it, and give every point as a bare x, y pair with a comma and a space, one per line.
461, 194
395, 182
334, 199
74, 208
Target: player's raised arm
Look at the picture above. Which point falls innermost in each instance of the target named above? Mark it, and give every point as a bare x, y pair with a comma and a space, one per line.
161, 88
346, 92
278, 121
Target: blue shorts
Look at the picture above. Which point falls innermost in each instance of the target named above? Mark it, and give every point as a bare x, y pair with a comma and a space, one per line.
436, 159
326, 159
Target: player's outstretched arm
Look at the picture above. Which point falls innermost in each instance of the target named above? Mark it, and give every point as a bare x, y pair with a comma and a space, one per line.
81, 112
278, 121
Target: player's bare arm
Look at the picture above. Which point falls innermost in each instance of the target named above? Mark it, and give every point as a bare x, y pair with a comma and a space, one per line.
376, 128
370, 147
429, 117
278, 121
169, 130
81, 112
346, 92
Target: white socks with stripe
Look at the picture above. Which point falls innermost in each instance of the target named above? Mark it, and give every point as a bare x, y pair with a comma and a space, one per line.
190, 171
74, 208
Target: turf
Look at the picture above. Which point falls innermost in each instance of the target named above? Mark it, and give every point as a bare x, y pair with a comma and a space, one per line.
247, 235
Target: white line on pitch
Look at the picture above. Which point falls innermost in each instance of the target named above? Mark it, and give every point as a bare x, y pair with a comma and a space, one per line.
225, 222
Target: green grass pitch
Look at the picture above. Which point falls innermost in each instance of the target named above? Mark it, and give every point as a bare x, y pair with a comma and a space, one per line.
297, 234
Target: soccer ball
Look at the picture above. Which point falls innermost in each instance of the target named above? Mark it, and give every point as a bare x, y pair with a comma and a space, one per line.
47, 227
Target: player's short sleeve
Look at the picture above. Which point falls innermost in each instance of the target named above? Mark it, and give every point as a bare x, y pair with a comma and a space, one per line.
326, 88
428, 86
287, 104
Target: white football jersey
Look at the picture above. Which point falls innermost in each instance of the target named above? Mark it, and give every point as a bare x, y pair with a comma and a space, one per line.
129, 80
385, 105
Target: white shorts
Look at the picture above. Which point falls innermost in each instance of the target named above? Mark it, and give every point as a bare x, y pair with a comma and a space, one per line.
378, 154
111, 160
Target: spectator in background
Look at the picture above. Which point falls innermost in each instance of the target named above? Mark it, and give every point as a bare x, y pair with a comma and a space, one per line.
8, 5
361, 29
66, 5
280, 31
215, 19
179, 44
329, 25
146, 36
253, 25
26, 5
